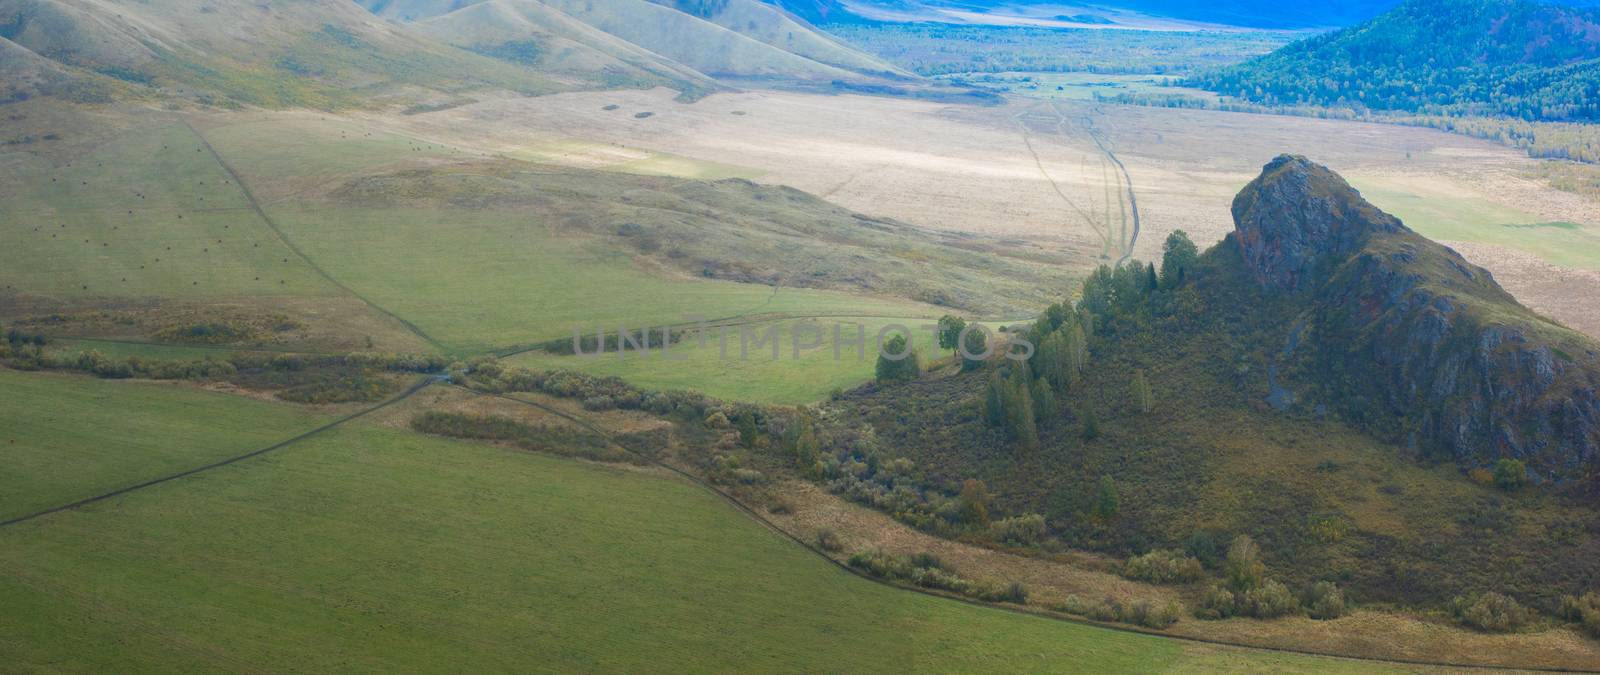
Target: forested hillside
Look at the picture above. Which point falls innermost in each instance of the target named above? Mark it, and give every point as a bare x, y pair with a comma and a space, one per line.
1517, 58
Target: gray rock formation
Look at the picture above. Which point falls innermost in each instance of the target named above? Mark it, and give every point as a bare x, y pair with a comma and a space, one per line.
1412, 341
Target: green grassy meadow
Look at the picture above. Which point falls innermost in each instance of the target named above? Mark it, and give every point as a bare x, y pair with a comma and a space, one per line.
370, 548
482, 279
145, 214
65, 438
1441, 213
730, 365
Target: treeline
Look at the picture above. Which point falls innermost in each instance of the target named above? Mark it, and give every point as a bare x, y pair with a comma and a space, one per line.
1579, 142
942, 49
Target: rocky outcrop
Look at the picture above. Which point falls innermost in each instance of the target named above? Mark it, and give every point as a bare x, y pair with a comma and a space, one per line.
1412, 341
1298, 217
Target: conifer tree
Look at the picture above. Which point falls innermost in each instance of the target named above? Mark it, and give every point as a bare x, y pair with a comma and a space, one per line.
1091, 425
1106, 502
1044, 400
994, 410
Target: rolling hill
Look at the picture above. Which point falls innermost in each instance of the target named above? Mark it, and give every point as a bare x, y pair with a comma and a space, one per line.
318, 53
539, 36
1525, 59
737, 38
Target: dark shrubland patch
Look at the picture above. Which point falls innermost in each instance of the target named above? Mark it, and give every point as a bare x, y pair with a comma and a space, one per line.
553, 440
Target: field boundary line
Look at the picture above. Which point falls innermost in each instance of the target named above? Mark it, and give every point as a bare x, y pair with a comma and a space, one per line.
278, 232
413, 389
1038, 614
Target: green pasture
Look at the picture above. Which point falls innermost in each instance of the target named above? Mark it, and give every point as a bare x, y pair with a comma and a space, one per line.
371, 548
65, 438
1449, 215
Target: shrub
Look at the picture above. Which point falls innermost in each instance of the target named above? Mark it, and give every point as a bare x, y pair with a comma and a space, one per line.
828, 540
1324, 600
1024, 530
1510, 474
1218, 603
1163, 567
1492, 612
1014, 593
1202, 546
1271, 599
1151, 614
1584, 611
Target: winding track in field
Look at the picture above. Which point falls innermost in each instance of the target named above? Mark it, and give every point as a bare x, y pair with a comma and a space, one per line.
1133, 199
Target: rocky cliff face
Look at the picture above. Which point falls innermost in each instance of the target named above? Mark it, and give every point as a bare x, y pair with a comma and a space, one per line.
1298, 218
1409, 339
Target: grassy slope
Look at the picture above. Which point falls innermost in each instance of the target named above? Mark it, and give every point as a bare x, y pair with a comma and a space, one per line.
83, 227
68, 438
699, 44
371, 548
479, 274
315, 53
549, 280
565, 47
478, 281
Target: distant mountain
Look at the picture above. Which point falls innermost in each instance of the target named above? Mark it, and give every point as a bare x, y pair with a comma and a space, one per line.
1264, 14
716, 38
317, 53
1510, 57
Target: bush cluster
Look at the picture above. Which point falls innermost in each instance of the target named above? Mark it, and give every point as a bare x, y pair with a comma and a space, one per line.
1163, 567
1583, 610
925, 570
1247, 591
1024, 530
1141, 612
1491, 612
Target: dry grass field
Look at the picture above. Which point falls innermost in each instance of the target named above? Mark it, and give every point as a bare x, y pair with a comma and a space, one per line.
1033, 169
